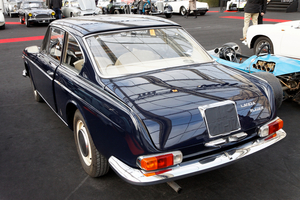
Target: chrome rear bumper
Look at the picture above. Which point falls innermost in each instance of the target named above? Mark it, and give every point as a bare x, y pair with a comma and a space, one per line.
137, 176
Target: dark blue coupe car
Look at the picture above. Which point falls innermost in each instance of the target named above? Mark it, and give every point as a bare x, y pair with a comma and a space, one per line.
145, 99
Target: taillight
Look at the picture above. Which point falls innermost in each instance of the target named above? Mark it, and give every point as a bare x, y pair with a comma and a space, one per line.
159, 161
270, 128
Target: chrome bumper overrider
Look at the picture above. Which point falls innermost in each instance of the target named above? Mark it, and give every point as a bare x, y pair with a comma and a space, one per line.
185, 169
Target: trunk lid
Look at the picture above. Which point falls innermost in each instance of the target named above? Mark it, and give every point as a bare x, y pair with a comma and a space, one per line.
168, 102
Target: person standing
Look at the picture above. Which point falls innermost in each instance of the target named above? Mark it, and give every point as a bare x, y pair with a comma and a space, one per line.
140, 7
260, 16
56, 6
252, 10
193, 7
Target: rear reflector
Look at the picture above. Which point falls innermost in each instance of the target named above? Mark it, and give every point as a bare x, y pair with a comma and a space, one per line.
159, 161
270, 128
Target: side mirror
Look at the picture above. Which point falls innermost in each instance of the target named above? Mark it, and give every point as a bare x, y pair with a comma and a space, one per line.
33, 49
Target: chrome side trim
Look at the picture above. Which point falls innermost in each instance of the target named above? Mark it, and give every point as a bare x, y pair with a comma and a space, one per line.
52, 109
47, 75
136, 176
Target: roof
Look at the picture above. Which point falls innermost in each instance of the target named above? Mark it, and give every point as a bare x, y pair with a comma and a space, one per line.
101, 23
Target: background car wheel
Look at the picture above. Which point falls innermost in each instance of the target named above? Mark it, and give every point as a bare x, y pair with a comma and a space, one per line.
274, 82
10, 15
71, 15
116, 12
36, 95
27, 22
93, 163
183, 11
202, 12
261, 41
169, 15
21, 19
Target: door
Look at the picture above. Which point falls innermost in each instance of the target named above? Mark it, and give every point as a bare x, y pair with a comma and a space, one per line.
47, 62
290, 44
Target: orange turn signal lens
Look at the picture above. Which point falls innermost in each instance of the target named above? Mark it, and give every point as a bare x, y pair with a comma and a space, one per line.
270, 128
159, 161
275, 126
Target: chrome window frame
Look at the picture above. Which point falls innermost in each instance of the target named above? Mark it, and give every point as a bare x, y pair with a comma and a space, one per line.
94, 64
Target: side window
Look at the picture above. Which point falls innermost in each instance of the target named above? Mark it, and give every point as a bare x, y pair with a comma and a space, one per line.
56, 43
73, 57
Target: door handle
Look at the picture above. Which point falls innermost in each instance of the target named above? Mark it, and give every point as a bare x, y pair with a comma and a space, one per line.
50, 73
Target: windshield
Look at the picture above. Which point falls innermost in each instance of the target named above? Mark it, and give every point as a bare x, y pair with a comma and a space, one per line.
131, 52
87, 4
34, 5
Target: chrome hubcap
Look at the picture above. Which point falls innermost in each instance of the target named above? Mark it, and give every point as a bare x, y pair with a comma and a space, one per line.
265, 49
83, 143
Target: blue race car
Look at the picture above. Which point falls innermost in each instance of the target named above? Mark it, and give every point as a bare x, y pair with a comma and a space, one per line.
286, 70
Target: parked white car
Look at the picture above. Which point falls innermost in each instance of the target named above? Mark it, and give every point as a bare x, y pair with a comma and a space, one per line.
12, 7
283, 38
181, 6
236, 5
74, 8
103, 3
2, 18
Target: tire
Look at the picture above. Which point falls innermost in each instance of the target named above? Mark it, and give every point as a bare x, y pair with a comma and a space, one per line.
274, 82
169, 15
260, 41
71, 15
27, 22
93, 163
183, 11
2, 27
116, 12
21, 19
36, 95
202, 12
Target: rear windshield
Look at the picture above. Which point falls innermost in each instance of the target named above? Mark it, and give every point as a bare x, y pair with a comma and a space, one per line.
130, 52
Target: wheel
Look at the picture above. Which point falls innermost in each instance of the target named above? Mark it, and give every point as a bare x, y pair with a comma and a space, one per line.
116, 12
261, 41
37, 96
229, 54
2, 27
202, 12
168, 15
183, 11
93, 163
71, 15
274, 82
21, 19
27, 22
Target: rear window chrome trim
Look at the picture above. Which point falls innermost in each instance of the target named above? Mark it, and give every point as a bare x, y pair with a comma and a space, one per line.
84, 38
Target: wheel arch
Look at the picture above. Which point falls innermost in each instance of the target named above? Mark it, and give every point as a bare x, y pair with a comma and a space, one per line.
255, 38
70, 112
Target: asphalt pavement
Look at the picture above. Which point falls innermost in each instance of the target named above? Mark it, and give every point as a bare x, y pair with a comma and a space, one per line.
38, 158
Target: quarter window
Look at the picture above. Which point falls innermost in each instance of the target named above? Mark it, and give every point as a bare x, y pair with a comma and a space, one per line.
56, 43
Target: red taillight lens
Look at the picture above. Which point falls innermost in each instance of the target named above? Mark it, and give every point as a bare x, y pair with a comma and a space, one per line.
159, 161
270, 128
